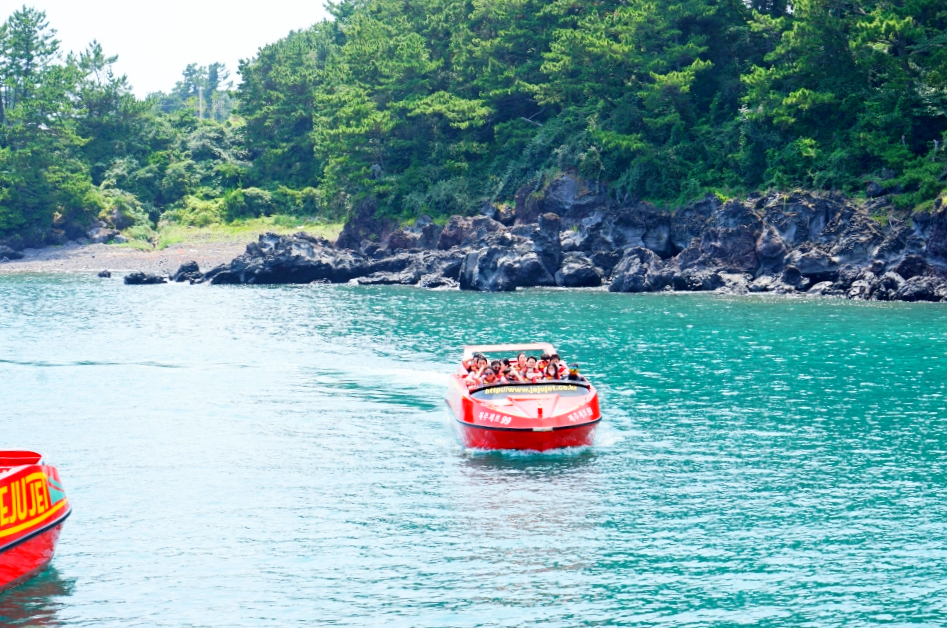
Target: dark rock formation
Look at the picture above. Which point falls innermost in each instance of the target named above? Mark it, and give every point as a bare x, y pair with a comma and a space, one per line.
567, 196
566, 234
411, 268
874, 190
105, 274
299, 258
100, 235
640, 270
578, 271
528, 205
9, 253
921, 289
912, 266
608, 230
505, 262
188, 271
142, 279
365, 225
460, 231
434, 281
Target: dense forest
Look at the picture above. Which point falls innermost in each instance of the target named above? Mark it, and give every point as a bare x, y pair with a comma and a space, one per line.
435, 106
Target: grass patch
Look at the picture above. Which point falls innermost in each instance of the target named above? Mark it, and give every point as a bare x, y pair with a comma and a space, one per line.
881, 219
239, 231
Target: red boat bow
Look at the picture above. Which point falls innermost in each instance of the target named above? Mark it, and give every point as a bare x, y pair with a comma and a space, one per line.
33, 506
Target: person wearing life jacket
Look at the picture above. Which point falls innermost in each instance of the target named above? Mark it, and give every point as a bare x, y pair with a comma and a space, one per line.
511, 375
574, 374
520, 364
531, 373
480, 364
490, 377
560, 365
551, 373
543, 361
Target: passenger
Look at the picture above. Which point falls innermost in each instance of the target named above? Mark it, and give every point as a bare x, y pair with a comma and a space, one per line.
574, 374
531, 374
560, 365
490, 377
473, 364
511, 375
543, 361
496, 365
520, 363
551, 372
472, 380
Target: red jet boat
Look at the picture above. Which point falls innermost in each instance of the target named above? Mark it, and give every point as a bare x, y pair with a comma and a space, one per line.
33, 506
541, 416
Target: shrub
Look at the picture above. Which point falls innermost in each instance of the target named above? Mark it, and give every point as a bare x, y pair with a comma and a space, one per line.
122, 209
196, 212
305, 202
247, 203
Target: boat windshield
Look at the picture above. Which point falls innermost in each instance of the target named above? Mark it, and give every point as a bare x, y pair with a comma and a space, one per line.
561, 388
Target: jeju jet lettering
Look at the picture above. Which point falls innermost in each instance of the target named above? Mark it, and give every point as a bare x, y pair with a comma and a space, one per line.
23, 499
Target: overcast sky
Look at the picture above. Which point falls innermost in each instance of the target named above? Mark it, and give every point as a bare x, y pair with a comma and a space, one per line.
154, 41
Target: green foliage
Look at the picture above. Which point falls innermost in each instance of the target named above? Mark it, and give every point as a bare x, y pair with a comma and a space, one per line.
204, 90
436, 106
196, 212
248, 203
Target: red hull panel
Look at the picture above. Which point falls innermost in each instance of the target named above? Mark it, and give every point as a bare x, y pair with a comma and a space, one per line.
524, 416
28, 558
485, 438
33, 506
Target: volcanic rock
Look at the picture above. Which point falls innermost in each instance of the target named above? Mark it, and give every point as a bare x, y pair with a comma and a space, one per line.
188, 271
9, 253
921, 289
100, 235
140, 278
300, 258
578, 272
640, 270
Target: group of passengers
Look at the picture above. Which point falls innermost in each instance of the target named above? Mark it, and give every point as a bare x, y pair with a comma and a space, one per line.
525, 368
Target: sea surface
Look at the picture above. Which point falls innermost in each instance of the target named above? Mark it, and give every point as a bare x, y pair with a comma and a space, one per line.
282, 456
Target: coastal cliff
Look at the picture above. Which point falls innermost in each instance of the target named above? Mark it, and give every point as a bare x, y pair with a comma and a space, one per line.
570, 236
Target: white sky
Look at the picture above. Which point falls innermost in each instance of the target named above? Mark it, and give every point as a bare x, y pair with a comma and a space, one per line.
155, 40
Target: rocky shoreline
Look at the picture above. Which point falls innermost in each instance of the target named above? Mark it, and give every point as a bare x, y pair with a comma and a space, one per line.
570, 236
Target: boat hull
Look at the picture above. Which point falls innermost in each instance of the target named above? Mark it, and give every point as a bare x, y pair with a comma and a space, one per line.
33, 507
28, 558
524, 416
479, 437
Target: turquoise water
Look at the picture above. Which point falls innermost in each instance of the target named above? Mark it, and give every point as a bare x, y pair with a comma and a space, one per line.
281, 456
